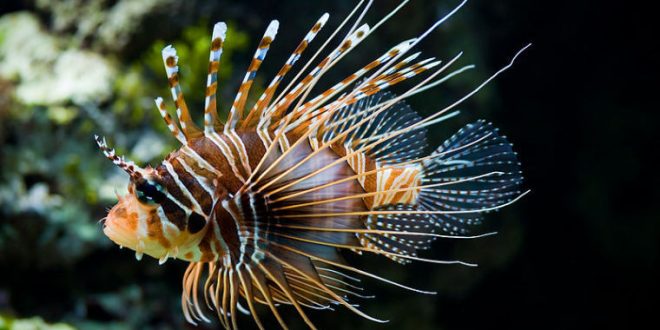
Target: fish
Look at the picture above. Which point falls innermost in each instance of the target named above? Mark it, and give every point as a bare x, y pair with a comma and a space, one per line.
265, 204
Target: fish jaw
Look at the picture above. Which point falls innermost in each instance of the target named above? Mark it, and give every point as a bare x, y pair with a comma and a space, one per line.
127, 226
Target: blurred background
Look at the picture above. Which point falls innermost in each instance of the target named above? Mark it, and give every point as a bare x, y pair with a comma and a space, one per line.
580, 251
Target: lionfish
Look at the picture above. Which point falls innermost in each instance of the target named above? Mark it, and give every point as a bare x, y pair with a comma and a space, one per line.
263, 205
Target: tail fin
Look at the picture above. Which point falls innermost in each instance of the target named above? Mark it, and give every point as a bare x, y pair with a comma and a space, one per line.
475, 171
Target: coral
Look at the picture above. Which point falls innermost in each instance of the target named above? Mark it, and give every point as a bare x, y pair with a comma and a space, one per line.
34, 323
47, 73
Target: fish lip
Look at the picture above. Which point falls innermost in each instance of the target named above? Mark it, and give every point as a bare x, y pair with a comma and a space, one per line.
131, 240
117, 237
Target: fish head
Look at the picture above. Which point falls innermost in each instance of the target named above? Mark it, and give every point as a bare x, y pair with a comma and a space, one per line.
149, 220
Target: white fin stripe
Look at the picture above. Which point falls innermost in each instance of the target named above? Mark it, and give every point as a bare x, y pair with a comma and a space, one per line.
242, 152
227, 153
196, 207
201, 162
285, 92
198, 177
291, 83
241, 233
383, 106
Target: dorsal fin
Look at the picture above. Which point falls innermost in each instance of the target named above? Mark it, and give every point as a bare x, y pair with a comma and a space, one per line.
170, 59
281, 107
210, 103
268, 94
236, 112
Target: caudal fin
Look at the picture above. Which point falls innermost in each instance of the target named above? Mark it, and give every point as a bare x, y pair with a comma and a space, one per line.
475, 171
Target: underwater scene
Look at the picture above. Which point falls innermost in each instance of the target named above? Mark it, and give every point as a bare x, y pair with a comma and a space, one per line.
375, 164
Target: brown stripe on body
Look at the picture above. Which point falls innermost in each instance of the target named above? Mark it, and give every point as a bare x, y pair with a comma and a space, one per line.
172, 188
232, 140
369, 181
192, 184
174, 214
399, 178
197, 168
228, 229
212, 154
155, 229
205, 247
253, 145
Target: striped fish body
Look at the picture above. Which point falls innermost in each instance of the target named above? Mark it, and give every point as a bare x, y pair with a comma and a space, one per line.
264, 204
209, 172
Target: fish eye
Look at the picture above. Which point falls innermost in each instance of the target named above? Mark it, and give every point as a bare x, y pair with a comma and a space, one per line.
196, 223
149, 192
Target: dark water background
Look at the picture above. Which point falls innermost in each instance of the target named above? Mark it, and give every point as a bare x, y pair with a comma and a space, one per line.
581, 251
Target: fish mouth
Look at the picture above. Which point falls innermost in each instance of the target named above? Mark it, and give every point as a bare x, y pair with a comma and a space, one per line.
121, 224
130, 239
119, 234
121, 227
